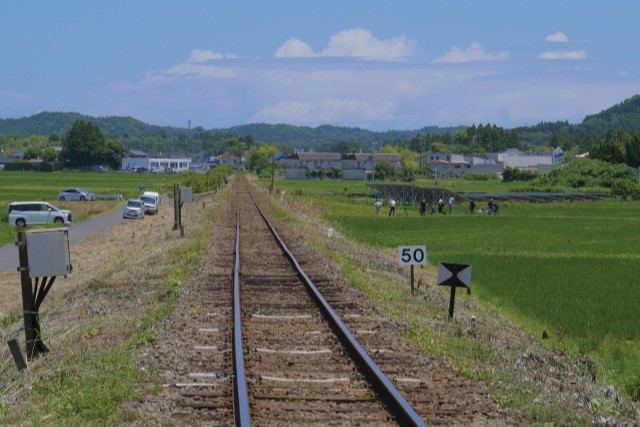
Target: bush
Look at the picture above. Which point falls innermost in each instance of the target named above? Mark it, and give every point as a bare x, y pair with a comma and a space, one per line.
585, 173
489, 176
33, 167
625, 188
511, 175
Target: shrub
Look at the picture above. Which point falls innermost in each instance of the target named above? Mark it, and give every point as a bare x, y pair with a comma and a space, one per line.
481, 176
585, 173
33, 167
625, 188
511, 175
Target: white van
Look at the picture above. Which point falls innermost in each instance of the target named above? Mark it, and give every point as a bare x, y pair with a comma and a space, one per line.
154, 195
26, 213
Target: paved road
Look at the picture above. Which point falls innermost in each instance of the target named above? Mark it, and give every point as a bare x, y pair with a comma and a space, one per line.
77, 232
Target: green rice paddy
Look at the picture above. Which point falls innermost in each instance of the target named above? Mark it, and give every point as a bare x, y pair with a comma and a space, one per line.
567, 268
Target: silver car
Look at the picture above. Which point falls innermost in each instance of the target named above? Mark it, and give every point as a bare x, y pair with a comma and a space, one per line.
133, 209
76, 194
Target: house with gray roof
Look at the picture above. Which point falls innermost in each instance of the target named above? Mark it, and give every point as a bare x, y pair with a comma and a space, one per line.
303, 165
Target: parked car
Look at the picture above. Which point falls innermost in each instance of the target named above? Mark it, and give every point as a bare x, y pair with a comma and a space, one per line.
133, 209
27, 213
76, 194
153, 194
150, 204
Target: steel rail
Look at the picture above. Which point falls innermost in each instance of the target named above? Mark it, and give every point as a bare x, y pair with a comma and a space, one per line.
396, 403
240, 395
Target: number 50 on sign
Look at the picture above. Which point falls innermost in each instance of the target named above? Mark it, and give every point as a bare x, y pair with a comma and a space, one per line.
412, 255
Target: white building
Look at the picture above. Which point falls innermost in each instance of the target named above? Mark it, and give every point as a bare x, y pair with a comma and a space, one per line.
156, 164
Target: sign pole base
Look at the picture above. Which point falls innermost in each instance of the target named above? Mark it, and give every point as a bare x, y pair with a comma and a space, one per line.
452, 302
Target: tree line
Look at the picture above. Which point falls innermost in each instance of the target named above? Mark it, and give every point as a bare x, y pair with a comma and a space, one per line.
612, 135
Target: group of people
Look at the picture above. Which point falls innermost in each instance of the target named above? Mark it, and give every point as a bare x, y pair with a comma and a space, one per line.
451, 201
492, 207
392, 207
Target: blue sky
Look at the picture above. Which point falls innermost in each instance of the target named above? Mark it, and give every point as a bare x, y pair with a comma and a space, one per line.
377, 65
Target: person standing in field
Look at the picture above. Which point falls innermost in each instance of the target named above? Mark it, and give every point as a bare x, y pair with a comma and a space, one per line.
451, 202
440, 205
423, 207
493, 207
378, 206
392, 208
472, 206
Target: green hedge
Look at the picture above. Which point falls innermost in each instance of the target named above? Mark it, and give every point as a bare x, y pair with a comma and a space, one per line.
33, 167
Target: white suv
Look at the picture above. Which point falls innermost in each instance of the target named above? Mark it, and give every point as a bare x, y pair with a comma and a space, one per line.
27, 213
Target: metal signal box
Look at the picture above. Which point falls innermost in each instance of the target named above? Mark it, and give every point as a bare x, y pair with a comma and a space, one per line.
48, 252
186, 194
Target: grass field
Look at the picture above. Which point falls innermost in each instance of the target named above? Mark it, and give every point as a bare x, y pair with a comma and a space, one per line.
16, 186
566, 268
23, 186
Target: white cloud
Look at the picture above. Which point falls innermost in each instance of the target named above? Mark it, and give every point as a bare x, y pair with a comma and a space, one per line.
202, 56
199, 56
557, 38
361, 43
352, 43
294, 48
474, 53
392, 95
194, 67
188, 71
575, 55
279, 112
14, 98
327, 110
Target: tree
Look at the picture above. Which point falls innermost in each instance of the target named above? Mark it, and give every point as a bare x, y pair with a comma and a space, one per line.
112, 154
31, 153
384, 170
633, 151
84, 145
257, 162
49, 155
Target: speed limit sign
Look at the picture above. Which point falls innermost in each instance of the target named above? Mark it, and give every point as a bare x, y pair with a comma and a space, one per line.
412, 255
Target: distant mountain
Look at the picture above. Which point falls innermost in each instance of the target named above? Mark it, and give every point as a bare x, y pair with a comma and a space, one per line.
47, 123
298, 136
621, 117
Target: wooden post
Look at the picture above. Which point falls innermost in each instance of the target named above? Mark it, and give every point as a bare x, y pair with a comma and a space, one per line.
30, 304
176, 201
27, 294
180, 214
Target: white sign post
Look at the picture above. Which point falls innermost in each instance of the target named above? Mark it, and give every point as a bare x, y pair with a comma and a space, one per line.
412, 255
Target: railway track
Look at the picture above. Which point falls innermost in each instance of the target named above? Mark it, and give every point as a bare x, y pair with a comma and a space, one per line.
306, 367
297, 370
289, 367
